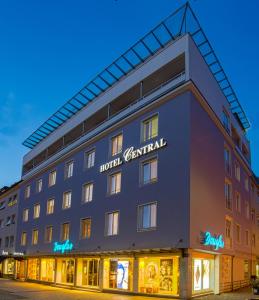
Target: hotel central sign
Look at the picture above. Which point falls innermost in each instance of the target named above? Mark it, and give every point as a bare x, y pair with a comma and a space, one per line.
132, 153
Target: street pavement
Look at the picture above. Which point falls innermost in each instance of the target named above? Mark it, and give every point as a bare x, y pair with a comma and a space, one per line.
15, 290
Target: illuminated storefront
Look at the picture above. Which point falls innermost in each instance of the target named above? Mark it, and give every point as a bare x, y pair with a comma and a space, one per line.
66, 271
9, 267
47, 270
33, 269
118, 273
159, 275
87, 272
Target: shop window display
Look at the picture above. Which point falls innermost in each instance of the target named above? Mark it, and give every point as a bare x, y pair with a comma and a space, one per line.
48, 270
65, 271
33, 269
202, 275
87, 272
159, 275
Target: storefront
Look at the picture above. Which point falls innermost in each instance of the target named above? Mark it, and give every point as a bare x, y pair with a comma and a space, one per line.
33, 269
159, 275
88, 272
65, 271
203, 277
47, 270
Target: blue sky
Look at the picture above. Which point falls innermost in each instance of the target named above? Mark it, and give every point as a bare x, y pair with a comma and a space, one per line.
50, 49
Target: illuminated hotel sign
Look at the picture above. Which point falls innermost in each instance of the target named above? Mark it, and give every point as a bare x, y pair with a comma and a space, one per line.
63, 247
132, 153
213, 240
6, 253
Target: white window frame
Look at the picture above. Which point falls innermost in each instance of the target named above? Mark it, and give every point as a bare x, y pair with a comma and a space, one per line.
62, 232
145, 162
90, 187
69, 169
39, 185
144, 136
81, 228
116, 190
114, 231
140, 226
24, 240
35, 210
25, 215
64, 204
27, 192
118, 140
89, 159
48, 206
33, 242
52, 178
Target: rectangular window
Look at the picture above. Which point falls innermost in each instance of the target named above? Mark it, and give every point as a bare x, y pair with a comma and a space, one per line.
38, 185
67, 196
6, 242
114, 183
11, 242
50, 206
86, 228
253, 215
48, 234
253, 240
69, 167
228, 195
112, 223
52, 178
116, 144
27, 192
238, 202
88, 192
65, 231
149, 171
247, 237
23, 239
36, 211
35, 236
226, 121
246, 183
89, 159
228, 233
25, 216
150, 128
247, 210
227, 159
237, 171
238, 234
147, 216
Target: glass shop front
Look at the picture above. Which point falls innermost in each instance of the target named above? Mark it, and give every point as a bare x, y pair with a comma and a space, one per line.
88, 272
65, 271
33, 269
47, 270
8, 267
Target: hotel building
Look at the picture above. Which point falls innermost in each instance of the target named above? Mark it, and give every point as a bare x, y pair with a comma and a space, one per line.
142, 181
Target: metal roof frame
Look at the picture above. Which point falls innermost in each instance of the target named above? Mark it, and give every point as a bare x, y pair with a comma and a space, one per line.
180, 22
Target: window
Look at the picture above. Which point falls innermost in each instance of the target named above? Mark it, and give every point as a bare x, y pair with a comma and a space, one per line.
85, 228
116, 144
247, 237
228, 195
35, 236
50, 206
48, 234
13, 219
36, 211
253, 240
238, 202
65, 231
52, 178
11, 241
88, 192
89, 159
227, 159
23, 239
112, 223
238, 233
149, 171
27, 191
38, 185
67, 200
6, 242
147, 215
253, 215
237, 171
8, 221
150, 128
226, 121
228, 232
247, 210
69, 167
114, 183
25, 216
246, 183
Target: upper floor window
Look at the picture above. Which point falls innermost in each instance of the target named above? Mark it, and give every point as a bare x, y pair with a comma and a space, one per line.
253, 240
147, 216
65, 229
23, 239
88, 192
38, 185
237, 171
227, 159
114, 182
89, 159
238, 202
226, 121
11, 242
228, 194
67, 197
6, 242
85, 228
50, 206
52, 178
247, 210
48, 234
246, 183
149, 171
35, 237
253, 215
112, 223
228, 232
69, 167
25, 216
27, 191
116, 144
238, 234
150, 128
36, 211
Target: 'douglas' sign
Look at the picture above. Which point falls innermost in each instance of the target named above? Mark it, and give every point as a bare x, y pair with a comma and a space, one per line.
213, 240
132, 153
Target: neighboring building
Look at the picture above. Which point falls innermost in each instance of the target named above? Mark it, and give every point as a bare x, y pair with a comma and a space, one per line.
9, 197
142, 181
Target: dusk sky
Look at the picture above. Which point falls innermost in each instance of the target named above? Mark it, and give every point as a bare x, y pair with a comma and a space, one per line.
50, 49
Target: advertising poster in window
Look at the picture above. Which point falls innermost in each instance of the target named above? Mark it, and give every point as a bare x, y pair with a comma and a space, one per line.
166, 273
123, 275
206, 274
197, 275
